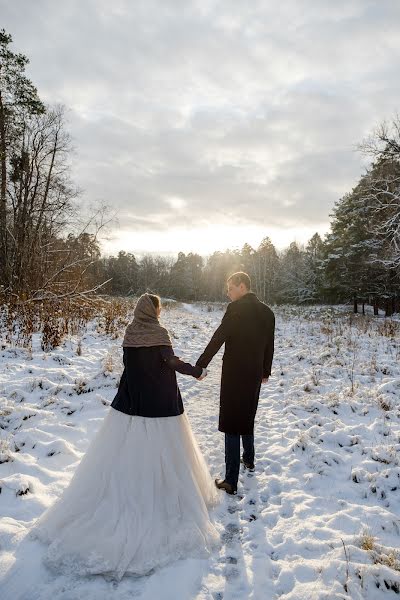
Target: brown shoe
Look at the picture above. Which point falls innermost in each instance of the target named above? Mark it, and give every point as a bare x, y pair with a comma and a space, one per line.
224, 485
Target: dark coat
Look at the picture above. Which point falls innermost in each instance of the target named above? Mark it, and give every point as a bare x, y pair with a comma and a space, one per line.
247, 329
148, 385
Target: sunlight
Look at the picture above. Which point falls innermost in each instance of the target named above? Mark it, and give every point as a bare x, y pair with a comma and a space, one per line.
206, 240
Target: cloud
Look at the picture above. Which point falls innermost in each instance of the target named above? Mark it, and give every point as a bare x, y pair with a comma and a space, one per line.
188, 113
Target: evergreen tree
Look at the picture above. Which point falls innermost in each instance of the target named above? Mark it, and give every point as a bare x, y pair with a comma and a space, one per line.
314, 268
265, 270
123, 272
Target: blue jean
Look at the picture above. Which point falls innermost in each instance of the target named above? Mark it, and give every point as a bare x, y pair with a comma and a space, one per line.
232, 455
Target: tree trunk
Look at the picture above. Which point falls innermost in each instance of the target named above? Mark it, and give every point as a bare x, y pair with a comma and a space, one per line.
3, 195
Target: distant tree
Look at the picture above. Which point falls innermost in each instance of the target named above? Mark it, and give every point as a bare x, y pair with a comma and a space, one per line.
265, 267
247, 254
186, 276
148, 274
216, 271
122, 270
292, 283
194, 265
314, 268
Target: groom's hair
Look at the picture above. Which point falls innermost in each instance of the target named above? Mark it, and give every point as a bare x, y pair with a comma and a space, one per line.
240, 277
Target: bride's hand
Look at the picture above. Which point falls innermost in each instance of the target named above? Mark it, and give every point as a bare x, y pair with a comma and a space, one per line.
204, 373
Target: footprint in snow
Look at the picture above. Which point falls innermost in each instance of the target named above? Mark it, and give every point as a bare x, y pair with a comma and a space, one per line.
231, 532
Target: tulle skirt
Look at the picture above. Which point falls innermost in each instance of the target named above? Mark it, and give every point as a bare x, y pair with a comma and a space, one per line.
138, 499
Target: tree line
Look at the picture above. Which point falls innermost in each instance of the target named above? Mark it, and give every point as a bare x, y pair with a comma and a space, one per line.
358, 261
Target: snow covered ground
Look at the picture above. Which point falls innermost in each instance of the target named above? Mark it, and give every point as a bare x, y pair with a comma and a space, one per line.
320, 517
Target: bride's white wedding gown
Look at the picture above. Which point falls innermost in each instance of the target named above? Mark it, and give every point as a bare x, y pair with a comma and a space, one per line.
138, 499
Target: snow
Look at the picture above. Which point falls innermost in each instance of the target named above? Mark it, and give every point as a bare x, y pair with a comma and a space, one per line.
319, 518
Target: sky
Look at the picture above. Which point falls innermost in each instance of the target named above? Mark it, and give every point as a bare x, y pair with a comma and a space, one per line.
207, 124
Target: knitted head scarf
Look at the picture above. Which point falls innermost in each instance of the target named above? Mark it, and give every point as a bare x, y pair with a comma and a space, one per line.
145, 329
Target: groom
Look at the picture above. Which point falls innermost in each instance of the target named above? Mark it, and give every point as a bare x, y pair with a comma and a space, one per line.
247, 328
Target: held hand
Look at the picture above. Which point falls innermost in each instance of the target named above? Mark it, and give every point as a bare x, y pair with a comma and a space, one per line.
204, 373
264, 380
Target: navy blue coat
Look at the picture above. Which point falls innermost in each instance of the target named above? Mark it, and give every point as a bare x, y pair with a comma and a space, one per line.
148, 385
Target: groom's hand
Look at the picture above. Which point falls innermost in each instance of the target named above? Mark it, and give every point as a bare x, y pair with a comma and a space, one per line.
264, 380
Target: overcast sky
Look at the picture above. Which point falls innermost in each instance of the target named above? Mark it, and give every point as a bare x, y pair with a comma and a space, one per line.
206, 124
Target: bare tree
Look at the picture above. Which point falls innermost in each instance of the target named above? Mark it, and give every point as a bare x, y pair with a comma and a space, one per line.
383, 197
18, 101
40, 200
383, 189
384, 142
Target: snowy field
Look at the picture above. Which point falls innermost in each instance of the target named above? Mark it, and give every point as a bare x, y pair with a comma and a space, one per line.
320, 517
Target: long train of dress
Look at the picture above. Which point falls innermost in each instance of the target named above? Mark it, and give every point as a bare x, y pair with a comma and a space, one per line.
138, 499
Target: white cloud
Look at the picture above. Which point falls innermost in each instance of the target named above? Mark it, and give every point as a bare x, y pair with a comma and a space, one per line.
192, 112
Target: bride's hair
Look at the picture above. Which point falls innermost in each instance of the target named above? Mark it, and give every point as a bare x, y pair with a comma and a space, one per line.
156, 300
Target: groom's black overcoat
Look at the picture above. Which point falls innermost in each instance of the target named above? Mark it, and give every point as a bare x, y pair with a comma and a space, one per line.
248, 329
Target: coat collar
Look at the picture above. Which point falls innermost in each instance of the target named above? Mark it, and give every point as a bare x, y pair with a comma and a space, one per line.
249, 297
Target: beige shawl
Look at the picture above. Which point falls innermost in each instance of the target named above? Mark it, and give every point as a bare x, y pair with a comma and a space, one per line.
145, 329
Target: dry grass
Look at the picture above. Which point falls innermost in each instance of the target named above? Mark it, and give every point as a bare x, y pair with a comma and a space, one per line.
108, 363
57, 318
389, 557
380, 555
5, 450
367, 541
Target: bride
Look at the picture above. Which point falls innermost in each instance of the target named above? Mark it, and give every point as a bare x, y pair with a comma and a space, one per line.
140, 496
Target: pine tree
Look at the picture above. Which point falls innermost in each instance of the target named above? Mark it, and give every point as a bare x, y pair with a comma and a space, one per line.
265, 270
314, 269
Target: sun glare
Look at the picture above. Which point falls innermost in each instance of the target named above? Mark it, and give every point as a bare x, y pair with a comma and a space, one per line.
206, 240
